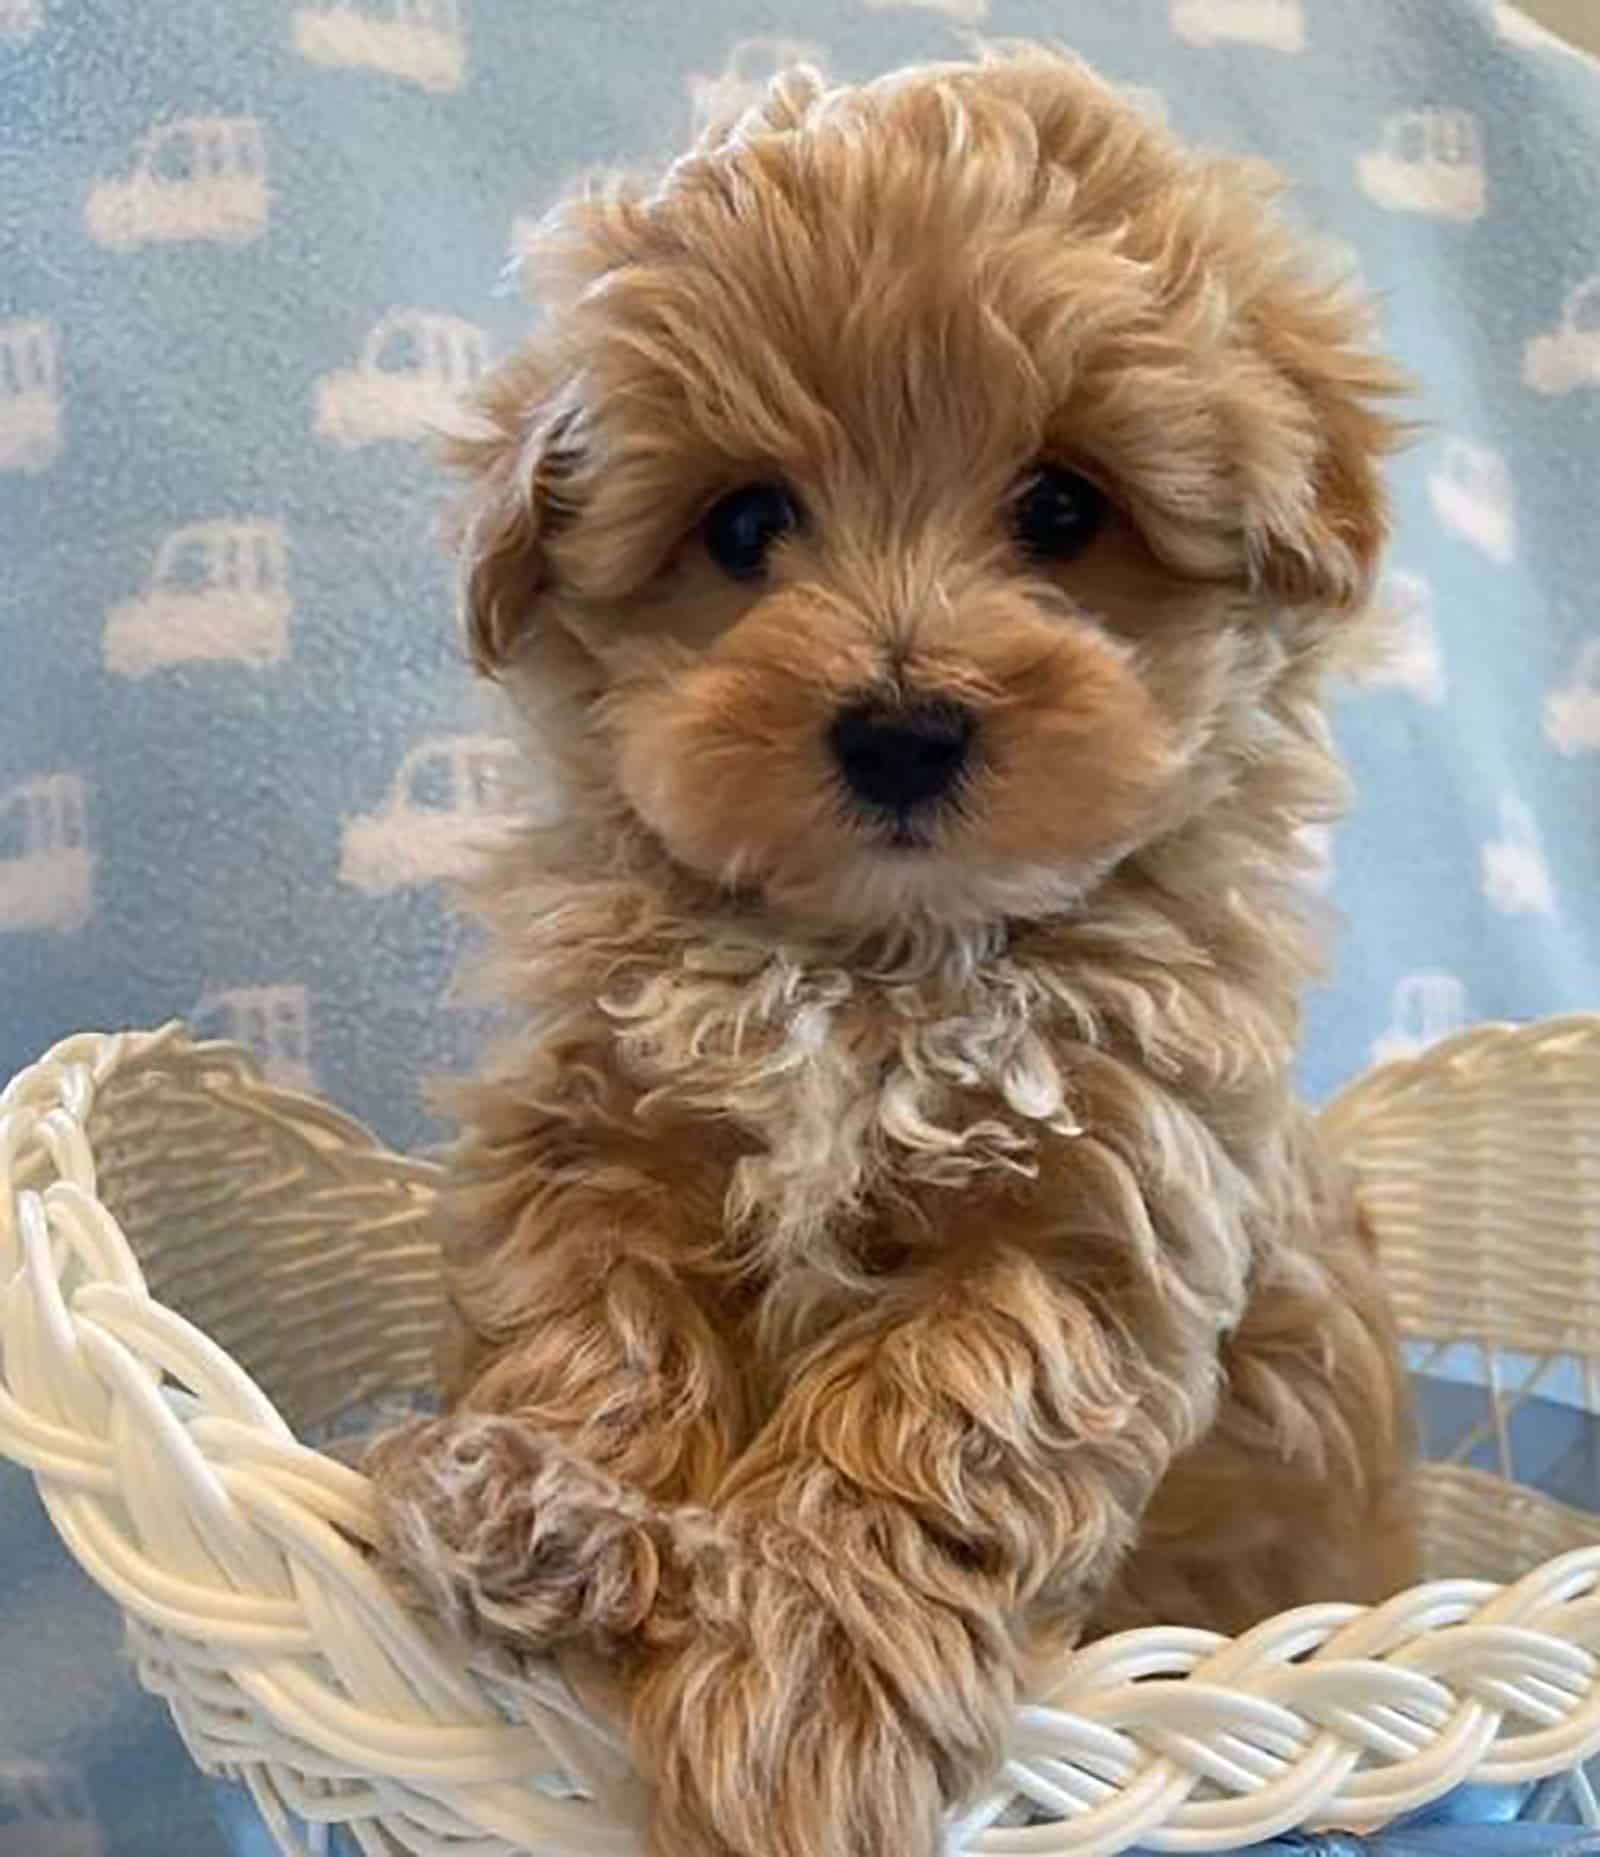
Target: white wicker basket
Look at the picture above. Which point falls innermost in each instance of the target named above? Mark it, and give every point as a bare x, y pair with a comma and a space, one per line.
143, 1174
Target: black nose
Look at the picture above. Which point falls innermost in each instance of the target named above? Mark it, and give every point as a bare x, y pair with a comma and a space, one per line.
904, 756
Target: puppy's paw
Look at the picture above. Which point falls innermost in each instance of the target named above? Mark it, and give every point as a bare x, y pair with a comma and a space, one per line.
782, 1757
504, 1532
773, 1730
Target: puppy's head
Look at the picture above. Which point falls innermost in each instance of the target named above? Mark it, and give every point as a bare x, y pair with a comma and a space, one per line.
927, 496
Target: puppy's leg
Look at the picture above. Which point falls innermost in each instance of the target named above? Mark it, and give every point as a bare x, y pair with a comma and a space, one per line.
1303, 1491
539, 1508
971, 1457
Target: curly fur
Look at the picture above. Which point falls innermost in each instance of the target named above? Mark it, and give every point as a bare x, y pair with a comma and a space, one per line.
876, 1267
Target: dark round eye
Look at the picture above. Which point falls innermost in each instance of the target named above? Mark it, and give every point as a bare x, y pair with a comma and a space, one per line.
1057, 513
741, 529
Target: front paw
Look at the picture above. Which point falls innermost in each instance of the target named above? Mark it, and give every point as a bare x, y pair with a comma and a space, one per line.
502, 1531
776, 1729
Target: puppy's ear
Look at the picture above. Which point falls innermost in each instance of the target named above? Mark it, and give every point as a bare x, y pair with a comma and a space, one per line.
1321, 544
519, 462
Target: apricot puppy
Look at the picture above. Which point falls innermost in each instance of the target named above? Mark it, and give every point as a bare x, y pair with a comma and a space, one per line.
921, 529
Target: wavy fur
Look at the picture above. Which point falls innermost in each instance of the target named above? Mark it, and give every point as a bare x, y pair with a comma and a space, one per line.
875, 1269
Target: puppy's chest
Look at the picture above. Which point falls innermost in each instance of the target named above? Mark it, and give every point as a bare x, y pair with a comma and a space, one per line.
849, 1093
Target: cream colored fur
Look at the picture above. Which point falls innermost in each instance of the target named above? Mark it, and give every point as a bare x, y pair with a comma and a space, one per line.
879, 1265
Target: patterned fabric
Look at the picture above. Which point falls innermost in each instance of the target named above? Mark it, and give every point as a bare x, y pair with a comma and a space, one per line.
249, 252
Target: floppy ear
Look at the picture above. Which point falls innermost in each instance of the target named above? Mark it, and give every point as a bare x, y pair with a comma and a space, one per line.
1322, 545
518, 461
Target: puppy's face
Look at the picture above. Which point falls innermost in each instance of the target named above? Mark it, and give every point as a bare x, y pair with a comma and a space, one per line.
923, 498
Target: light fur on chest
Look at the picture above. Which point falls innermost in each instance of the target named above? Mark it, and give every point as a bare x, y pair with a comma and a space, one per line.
852, 1089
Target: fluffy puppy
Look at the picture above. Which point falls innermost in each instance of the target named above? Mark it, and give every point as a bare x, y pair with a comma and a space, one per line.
921, 529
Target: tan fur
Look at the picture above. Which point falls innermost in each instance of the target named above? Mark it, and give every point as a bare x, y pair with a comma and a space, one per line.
876, 1268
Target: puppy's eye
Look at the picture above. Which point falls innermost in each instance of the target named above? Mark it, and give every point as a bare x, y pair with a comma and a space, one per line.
741, 529
1057, 513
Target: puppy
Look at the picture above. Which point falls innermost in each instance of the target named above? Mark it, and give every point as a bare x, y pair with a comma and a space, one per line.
921, 530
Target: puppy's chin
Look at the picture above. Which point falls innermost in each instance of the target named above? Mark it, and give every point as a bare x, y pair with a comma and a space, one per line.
907, 891
872, 892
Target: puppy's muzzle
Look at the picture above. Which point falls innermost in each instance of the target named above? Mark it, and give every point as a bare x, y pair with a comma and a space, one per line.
900, 758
